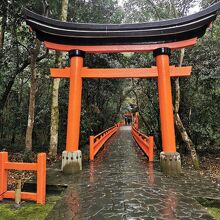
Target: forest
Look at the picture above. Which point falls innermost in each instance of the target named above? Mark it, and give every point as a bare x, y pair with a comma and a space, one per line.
34, 109
33, 106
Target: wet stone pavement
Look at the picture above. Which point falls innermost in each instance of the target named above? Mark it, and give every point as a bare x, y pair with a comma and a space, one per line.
121, 184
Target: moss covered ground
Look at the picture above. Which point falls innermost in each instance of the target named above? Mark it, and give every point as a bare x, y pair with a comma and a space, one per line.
212, 205
28, 210
214, 212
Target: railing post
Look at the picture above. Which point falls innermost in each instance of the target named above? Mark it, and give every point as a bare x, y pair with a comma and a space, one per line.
91, 147
151, 148
41, 178
3, 173
137, 120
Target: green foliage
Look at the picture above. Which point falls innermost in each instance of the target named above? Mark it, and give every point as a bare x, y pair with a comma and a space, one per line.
215, 212
147, 10
98, 11
200, 97
212, 205
201, 93
99, 104
28, 156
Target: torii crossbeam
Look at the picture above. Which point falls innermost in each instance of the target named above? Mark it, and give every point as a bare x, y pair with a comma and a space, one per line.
158, 37
121, 72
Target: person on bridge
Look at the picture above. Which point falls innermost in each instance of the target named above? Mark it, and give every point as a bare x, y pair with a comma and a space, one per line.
126, 121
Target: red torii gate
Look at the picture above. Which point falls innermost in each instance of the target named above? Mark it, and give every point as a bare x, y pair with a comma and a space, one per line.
157, 37
76, 72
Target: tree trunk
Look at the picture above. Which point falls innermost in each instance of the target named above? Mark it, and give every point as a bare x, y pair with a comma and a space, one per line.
178, 122
3, 22
32, 97
54, 118
185, 137
55, 94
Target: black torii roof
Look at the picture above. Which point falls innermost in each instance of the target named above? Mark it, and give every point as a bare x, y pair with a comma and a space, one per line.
164, 31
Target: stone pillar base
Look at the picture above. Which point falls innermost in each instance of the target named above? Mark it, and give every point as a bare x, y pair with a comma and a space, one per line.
71, 161
170, 163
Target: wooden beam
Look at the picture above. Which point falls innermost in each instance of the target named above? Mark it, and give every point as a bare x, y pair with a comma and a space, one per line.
133, 72
20, 166
24, 195
121, 48
121, 72
60, 73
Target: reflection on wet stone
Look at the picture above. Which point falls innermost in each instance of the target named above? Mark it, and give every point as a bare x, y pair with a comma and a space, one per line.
121, 184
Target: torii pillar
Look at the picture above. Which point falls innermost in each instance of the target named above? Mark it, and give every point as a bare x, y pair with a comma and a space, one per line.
72, 156
169, 159
136, 120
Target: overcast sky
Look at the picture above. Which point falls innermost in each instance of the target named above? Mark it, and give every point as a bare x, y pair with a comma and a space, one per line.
194, 9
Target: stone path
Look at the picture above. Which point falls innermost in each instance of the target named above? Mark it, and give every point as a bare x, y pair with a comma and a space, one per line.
122, 184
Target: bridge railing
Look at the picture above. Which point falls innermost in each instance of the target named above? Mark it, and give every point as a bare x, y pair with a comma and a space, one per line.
146, 143
96, 142
121, 123
39, 167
